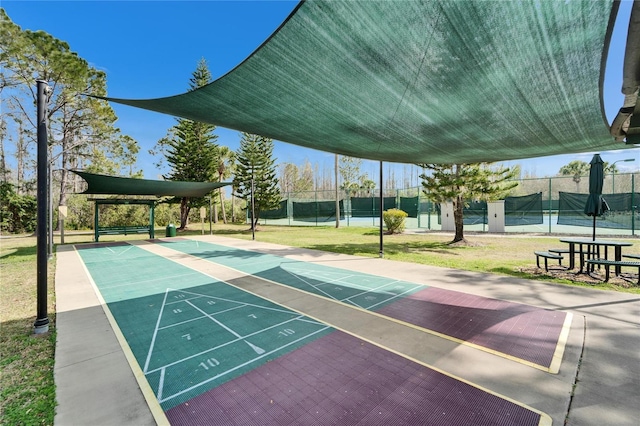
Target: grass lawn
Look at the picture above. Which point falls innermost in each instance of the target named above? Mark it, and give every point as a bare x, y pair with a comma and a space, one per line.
27, 390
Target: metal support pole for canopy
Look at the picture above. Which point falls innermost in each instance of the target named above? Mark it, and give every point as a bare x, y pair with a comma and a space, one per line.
41, 324
550, 205
335, 171
381, 207
633, 206
253, 210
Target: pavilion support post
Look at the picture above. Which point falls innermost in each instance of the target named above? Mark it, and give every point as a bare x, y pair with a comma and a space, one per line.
96, 234
41, 324
152, 221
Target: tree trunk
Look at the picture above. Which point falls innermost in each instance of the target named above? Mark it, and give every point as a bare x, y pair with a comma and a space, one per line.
62, 201
224, 213
64, 183
184, 213
233, 207
20, 151
458, 218
3, 163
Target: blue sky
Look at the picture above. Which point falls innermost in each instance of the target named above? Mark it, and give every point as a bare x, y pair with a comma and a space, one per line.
150, 49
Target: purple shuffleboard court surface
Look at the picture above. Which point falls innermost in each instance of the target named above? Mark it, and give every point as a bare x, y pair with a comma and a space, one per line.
514, 329
342, 380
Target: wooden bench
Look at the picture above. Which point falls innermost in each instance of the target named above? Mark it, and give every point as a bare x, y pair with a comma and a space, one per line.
126, 230
608, 263
547, 255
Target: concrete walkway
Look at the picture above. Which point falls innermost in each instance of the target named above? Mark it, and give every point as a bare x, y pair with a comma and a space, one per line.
96, 385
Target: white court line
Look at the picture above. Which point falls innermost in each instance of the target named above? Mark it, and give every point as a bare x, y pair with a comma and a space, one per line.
198, 318
309, 284
340, 280
257, 349
155, 333
125, 250
394, 297
348, 299
183, 300
367, 290
161, 384
234, 301
239, 366
373, 290
118, 253
171, 364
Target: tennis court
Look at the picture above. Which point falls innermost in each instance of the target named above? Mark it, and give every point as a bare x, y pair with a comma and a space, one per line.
213, 353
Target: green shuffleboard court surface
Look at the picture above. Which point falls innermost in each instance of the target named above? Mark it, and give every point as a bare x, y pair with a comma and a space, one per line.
188, 331
357, 289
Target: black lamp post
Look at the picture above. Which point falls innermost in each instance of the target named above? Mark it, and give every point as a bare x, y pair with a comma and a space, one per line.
42, 321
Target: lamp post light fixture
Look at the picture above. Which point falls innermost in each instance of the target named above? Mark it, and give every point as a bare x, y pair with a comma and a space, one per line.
613, 171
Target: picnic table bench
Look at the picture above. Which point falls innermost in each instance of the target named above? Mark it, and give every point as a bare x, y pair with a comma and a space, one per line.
546, 255
617, 264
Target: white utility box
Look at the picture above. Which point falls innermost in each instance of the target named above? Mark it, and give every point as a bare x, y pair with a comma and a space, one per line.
495, 216
446, 217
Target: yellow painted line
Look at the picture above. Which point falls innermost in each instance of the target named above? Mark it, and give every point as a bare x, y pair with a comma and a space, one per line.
545, 419
154, 406
554, 368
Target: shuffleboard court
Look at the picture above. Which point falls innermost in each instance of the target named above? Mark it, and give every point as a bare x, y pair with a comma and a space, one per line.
187, 331
215, 354
527, 334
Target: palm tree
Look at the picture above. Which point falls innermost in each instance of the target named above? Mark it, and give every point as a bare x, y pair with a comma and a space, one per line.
576, 169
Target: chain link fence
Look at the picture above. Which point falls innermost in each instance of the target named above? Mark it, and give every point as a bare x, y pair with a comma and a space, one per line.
536, 205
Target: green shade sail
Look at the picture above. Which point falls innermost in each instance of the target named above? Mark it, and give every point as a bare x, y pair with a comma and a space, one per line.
441, 81
113, 185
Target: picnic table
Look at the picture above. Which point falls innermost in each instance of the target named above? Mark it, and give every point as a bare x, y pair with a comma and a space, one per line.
590, 247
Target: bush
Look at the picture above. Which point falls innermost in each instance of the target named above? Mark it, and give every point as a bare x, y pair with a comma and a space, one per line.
80, 212
18, 213
394, 220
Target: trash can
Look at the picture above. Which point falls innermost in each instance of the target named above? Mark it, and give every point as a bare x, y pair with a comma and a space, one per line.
171, 230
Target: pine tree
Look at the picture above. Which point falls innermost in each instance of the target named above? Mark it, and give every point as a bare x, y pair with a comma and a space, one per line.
461, 183
255, 164
191, 150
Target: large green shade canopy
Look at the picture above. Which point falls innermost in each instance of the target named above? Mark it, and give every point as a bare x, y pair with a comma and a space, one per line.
113, 185
441, 81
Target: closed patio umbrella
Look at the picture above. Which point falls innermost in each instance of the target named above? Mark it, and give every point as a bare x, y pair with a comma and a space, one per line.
596, 206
